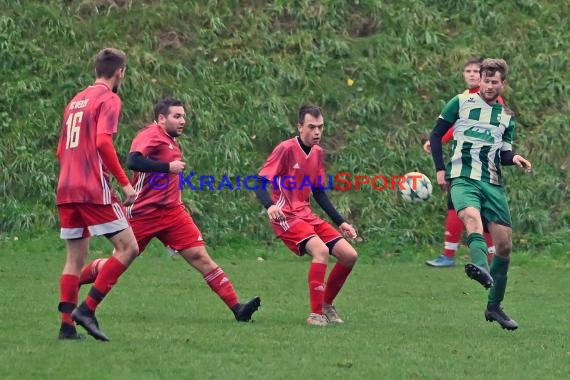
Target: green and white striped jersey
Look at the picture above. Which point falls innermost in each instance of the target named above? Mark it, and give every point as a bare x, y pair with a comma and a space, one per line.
480, 132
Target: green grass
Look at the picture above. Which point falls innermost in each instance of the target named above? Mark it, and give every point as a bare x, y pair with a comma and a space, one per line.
403, 320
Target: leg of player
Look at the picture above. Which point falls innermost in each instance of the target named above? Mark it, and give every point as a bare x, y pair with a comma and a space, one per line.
490, 246
220, 284
90, 271
453, 230
319, 251
77, 250
346, 259
126, 250
478, 269
502, 236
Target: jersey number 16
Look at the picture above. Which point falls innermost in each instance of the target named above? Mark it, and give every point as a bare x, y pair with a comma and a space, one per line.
73, 125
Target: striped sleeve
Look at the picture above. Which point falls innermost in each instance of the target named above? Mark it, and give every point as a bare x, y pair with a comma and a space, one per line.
450, 112
509, 135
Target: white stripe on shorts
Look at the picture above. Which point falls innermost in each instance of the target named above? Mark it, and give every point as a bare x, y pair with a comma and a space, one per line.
71, 233
109, 227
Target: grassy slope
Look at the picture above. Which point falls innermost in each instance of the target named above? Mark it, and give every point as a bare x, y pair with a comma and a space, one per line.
244, 70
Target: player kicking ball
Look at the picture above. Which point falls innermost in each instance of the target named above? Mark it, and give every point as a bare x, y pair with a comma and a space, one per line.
483, 130
301, 160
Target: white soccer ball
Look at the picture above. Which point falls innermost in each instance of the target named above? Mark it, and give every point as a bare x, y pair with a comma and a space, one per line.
416, 188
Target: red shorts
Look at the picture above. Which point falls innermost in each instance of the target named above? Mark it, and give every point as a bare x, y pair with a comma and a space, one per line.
81, 220
173, 226
300, 230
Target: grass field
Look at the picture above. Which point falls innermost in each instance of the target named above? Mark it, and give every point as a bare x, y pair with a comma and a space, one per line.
403, 320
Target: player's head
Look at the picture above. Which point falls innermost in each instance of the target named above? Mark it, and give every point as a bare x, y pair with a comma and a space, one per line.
471, 72
110, 64
310, 125
493, 78
169, 114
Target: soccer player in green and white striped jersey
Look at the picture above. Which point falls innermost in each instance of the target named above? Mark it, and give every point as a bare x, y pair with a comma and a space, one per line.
483, 131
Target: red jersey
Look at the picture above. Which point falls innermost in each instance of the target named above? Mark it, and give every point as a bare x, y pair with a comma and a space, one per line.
155, 190
82, 176
296, 174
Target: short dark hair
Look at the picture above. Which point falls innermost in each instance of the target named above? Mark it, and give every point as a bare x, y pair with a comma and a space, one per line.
162, 106
491, 65
473, 61
312, 110
108, 60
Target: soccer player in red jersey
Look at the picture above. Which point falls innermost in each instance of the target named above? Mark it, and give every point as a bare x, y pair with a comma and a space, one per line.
453, 225
158, 210
85, 202
290, 167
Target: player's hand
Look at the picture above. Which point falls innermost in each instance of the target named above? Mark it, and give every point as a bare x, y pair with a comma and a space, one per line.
176, 166
347, 231
275, 213
427, 147
130, 195
441, 181
522, 162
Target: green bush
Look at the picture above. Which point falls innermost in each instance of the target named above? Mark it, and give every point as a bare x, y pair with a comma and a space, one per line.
244, 68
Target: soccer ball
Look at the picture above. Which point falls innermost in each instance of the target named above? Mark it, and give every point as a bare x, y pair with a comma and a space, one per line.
416, 188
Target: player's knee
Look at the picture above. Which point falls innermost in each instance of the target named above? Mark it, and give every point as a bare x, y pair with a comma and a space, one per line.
131, 248
127, 252
196, 254
320, 254
350, 258
503, 248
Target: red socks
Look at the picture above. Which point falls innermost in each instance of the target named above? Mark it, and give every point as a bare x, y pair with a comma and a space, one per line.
90, 271
336, 280
108, 276
222, 286
68, 293
317, 273
453, 229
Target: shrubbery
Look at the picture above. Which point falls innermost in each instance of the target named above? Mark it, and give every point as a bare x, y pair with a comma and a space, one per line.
381, 71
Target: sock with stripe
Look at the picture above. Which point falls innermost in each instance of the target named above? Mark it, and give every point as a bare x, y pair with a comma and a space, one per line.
316, 281
68, 293
453, 229
222, 286
90, 271
106, 279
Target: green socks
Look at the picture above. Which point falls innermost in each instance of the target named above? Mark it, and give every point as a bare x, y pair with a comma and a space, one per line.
478, 250
499, 269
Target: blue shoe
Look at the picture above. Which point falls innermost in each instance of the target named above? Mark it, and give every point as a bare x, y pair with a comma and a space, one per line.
441, 262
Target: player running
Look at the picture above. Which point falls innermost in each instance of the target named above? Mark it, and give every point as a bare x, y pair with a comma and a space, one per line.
158, 210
